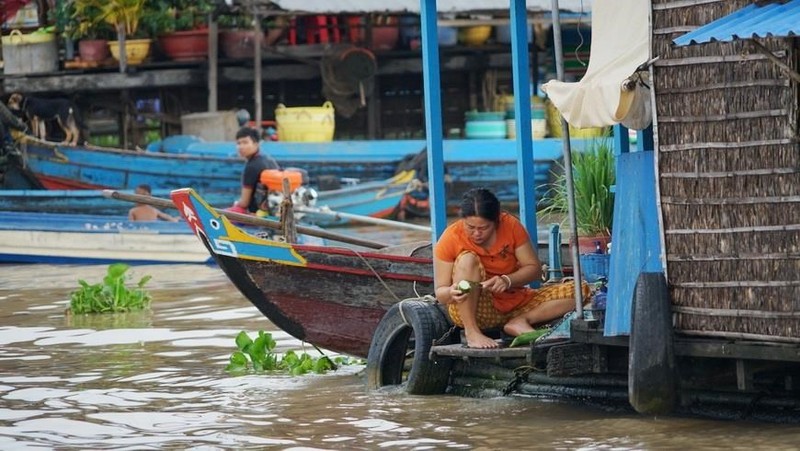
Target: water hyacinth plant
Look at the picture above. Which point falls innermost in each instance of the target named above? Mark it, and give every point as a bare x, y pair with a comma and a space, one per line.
258, 356
112, 295
593, 175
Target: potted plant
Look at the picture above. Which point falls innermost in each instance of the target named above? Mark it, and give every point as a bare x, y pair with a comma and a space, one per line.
92, 36
124, 16
593, 179
184, 34
237, 37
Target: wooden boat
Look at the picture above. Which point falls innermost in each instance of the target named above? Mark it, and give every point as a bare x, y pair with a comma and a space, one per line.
377, 199
81, 201
92, 239
214, 167
330, 296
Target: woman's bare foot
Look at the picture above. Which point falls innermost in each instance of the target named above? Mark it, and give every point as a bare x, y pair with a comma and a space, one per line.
475, 339
517, 326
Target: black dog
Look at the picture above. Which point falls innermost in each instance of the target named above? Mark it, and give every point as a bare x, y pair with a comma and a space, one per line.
39, 110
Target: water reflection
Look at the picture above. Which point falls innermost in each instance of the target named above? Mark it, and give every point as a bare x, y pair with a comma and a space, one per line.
156, 379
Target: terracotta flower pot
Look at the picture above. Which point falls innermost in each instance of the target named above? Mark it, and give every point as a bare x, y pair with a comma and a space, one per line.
237, 43
189, 45
93, 50
588, 244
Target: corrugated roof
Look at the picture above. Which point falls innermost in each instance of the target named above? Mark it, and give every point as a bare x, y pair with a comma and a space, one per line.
771, 20
443, 6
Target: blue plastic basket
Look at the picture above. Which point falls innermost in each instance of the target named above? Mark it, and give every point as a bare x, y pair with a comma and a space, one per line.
594, 266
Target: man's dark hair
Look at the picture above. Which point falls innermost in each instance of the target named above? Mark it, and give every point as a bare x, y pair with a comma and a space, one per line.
248, 132
482, 203
145, 187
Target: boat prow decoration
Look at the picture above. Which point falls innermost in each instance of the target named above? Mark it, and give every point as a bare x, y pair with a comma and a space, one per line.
224, 238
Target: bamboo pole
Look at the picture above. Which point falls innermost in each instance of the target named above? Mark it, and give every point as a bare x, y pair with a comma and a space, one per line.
249, 220
573, 224
361, 218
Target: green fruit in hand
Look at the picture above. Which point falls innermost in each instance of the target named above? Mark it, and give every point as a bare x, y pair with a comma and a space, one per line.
465, 286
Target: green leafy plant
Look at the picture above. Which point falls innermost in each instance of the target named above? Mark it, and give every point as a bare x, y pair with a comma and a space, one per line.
258, 356
112, 295
593, 176
122, 15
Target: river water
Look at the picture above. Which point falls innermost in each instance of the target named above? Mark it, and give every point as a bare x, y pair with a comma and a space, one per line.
156, 380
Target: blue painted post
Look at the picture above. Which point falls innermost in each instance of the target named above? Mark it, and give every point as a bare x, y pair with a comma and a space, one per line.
622, 143
522, 104
644, 138
433, 118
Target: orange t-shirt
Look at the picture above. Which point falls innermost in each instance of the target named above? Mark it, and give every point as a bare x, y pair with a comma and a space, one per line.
497, 260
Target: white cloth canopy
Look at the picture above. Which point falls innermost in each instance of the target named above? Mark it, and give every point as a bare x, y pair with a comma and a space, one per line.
620, 44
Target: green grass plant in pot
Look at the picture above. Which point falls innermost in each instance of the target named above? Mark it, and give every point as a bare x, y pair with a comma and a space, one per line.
593, 177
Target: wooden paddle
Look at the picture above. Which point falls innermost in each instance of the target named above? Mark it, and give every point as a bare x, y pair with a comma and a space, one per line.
248, 219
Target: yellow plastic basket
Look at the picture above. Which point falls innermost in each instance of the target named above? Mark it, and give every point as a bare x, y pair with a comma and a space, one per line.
305, 124
554, 124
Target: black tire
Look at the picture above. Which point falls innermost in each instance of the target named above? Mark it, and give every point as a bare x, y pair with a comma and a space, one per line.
652, 385
404, 336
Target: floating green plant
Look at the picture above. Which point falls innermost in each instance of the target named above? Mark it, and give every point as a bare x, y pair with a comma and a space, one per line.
258, 356
112, 295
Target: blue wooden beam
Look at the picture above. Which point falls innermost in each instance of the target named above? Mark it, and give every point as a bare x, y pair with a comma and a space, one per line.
520, 63
433, 116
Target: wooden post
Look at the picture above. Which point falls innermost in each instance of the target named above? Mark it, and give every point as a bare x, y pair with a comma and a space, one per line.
257, 68
287, 214
123, 58
213, 62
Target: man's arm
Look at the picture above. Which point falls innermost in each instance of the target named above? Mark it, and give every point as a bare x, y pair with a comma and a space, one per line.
244, 198
9, 118
161, 215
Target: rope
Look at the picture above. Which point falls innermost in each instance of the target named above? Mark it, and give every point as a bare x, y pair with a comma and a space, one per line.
377, 276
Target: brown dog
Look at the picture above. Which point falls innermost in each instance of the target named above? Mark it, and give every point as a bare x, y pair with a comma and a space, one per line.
38, 110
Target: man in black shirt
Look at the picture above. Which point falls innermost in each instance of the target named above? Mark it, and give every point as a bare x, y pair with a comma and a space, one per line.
247, 143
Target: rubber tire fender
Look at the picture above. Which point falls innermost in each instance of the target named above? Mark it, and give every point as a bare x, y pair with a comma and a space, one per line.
424, 322
652, 376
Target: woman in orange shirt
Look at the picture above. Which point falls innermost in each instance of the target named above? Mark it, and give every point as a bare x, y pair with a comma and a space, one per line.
491, 248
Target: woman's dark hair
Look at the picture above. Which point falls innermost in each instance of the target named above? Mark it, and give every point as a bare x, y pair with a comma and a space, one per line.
250, 132
482, 203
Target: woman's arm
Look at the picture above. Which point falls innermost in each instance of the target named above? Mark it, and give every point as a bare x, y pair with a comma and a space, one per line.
529, 269
443, 280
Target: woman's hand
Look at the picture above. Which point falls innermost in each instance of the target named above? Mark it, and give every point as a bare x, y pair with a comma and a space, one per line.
456, 295
496, 284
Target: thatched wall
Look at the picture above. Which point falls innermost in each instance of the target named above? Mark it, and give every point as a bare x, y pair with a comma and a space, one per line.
729, 177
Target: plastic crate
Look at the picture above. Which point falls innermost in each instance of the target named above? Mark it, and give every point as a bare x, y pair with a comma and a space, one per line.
594, 266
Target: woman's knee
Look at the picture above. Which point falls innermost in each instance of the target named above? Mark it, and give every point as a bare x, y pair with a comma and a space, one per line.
467, 261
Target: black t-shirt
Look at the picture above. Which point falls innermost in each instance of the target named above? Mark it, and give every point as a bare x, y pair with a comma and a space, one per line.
252, 175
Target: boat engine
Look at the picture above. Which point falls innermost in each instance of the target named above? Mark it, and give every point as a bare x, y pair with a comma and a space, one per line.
270, 190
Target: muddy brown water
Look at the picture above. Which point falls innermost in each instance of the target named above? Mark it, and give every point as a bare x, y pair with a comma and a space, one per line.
156, 380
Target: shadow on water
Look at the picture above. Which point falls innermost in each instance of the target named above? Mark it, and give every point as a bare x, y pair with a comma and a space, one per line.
156, 379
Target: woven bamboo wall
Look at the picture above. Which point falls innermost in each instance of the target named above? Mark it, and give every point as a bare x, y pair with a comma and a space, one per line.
729, 178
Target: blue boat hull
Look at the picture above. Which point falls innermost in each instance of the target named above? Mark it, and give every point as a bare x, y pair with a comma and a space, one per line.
213, 167
93, 239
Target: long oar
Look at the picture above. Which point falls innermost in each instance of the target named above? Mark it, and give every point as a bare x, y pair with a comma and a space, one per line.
361, 218
248, 219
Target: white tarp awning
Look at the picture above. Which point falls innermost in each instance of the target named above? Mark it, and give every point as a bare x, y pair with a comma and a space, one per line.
620, 44
443, 6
